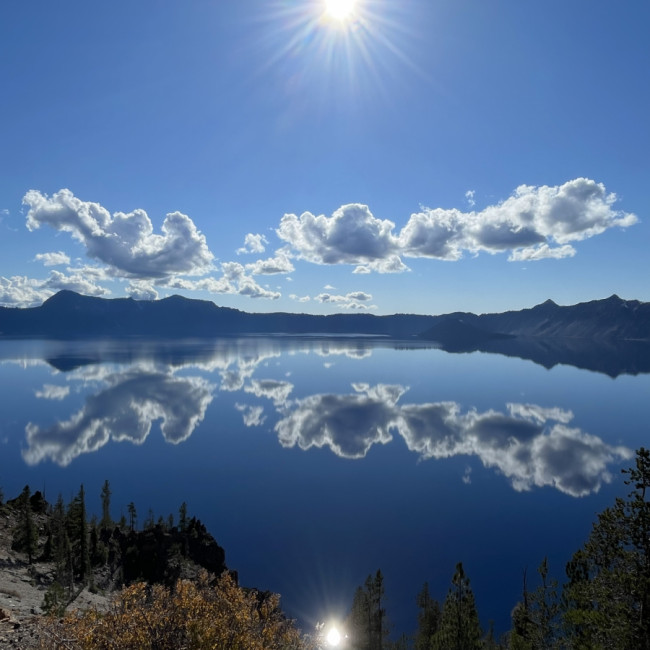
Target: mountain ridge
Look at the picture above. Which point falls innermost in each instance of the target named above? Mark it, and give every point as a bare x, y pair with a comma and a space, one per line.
69, 315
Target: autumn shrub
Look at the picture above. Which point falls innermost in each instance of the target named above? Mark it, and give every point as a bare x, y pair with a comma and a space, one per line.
194, 615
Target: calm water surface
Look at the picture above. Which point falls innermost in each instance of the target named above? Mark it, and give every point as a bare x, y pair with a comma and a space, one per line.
314, 461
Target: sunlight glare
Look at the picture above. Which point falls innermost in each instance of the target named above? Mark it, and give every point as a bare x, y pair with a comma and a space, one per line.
341, 10
333, 637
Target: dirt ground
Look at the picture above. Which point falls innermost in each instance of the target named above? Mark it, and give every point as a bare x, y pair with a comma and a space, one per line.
22, 588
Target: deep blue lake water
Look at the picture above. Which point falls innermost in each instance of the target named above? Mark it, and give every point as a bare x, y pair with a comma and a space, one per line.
314, 461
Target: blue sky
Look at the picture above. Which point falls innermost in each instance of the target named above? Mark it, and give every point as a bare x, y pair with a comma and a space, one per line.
423, 156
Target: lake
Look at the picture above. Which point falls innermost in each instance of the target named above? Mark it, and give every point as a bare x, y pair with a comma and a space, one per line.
316, 461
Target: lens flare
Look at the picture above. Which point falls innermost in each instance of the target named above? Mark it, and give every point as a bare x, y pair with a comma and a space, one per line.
333, 637
340, 9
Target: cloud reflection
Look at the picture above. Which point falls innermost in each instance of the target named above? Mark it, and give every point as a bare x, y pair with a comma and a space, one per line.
530, 445
125, 410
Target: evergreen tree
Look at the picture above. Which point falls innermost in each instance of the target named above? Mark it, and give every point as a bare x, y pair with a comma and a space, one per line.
106, 521
26, 534
607, 598
182, 517
535, 620
367, 624
428, 619
459, 624
77, 529
358, 623
132, 516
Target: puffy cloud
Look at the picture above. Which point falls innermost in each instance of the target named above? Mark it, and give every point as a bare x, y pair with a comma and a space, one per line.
20, 291
124, 242
253, 415
253, 244
233, 281
469, 196
53, 259
141, 290
76, 281
541, 252
125, 410
49, 391
530, 445
352, 300
278, 264
348, 424
534, 223
277, 391
297, 298
352, 235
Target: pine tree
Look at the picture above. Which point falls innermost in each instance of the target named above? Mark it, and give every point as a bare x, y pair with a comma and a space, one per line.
106, 521
77, 529
459, 624
182, 517
607, 598
26, 533
428, 619
535, 620
132, 516
367, 624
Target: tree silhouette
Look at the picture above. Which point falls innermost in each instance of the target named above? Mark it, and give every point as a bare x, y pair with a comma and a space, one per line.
608, 593
367, 623
106, 521
459, 624
428, 619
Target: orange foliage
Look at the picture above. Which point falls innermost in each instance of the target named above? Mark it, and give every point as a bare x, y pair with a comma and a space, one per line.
194, 615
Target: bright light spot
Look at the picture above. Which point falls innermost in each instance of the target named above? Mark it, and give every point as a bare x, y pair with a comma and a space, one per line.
341, 10
333, 637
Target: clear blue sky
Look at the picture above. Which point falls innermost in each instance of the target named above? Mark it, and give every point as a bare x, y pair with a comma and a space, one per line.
422, 156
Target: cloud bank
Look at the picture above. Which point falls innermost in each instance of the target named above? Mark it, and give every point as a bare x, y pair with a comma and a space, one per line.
125, 410
530, 445
126, 243
533, 223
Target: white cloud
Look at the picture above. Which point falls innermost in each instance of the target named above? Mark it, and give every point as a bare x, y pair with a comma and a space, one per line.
233, 281
530, 445
275, 390
469, 196
126, 243
49, 391
541, 252
352, 235
253, 415
253, 244
53, 259
141, 290
278, 264
297, 298
534, 223
352, 300
75, 281
125, 410
21, 291
348, 424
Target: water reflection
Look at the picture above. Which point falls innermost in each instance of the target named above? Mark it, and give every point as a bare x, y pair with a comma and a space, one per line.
532, 446
123, 410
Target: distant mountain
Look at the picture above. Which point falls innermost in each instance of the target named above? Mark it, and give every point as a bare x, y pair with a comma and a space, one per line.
456, 334
68, 315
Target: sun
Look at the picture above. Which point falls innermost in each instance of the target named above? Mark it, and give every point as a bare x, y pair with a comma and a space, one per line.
341, 10
333, 637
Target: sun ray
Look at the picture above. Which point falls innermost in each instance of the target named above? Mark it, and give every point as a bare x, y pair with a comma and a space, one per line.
340, 10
